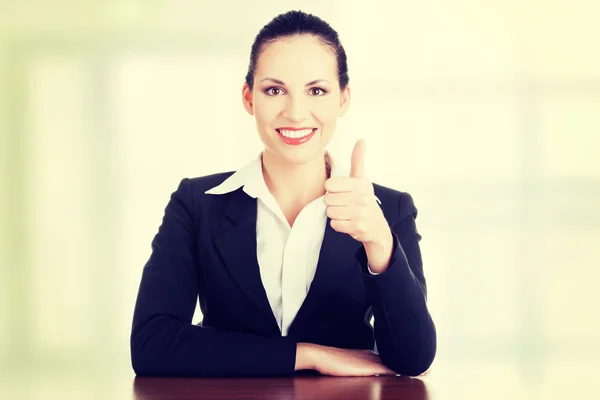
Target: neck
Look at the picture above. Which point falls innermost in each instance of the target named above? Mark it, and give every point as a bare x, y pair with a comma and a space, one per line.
294, 184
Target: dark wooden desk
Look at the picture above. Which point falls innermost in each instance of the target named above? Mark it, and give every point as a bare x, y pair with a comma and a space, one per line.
296, 388
487, 379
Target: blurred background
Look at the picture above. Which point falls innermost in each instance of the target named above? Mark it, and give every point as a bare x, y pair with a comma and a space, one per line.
486, 112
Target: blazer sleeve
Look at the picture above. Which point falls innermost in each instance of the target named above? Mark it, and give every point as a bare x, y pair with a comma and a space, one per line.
405, 334
163, 341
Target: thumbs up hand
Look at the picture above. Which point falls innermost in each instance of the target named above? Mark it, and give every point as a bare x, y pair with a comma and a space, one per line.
353, 209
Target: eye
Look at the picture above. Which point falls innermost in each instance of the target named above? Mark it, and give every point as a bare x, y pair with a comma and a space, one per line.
320, 92
273, 91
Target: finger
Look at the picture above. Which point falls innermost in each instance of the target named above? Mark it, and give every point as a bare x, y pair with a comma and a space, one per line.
348, 227
357, 169
344, 184
340, 213
338, 184
386, 371
338, 199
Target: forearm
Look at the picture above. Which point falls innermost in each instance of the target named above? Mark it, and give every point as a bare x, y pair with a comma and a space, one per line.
166, 347
405, 336
404, 330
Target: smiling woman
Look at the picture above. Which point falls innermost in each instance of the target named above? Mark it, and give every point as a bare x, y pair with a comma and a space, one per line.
290, 256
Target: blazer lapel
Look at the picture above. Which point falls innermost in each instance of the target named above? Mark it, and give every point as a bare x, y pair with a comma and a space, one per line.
237, 246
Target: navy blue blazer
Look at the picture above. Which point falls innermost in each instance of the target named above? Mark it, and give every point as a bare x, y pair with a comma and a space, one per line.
205, 250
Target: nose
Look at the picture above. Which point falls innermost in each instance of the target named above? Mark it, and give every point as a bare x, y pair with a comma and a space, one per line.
296, 109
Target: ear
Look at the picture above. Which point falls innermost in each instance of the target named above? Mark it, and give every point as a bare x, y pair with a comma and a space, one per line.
344, 100
247, 99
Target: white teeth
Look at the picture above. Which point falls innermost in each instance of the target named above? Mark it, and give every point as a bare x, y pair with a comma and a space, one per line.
295, 134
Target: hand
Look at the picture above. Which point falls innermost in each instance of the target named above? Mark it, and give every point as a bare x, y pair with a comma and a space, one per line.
353, 209
351, 203
348, 362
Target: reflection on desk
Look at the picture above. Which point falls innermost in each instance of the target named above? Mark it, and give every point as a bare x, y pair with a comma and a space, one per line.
278, 388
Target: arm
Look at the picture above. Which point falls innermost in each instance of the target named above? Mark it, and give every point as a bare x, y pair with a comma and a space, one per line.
164, 342
404, 331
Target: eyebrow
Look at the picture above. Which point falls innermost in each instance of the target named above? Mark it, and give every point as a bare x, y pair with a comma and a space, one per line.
308, 84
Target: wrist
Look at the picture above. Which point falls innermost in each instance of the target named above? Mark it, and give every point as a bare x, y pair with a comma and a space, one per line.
305, 356
379, 253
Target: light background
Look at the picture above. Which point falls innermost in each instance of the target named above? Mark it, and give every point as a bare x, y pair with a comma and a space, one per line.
487, 112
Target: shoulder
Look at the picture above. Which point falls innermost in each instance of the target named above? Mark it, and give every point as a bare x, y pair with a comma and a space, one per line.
190, 193
196, 186
397, 205
201, 184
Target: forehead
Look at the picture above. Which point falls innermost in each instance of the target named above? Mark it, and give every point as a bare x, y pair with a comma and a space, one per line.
297, 60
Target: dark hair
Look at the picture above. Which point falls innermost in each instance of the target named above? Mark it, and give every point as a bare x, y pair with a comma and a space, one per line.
298, 23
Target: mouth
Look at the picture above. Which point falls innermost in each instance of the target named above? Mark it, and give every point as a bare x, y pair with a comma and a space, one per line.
296, 136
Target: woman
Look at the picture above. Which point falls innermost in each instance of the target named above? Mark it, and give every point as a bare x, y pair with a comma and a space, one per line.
289, 256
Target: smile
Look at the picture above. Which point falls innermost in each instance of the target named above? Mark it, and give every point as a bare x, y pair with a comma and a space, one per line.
295, 133
296, 137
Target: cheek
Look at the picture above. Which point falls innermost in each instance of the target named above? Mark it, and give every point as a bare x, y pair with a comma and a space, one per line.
327, 112
265, 111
